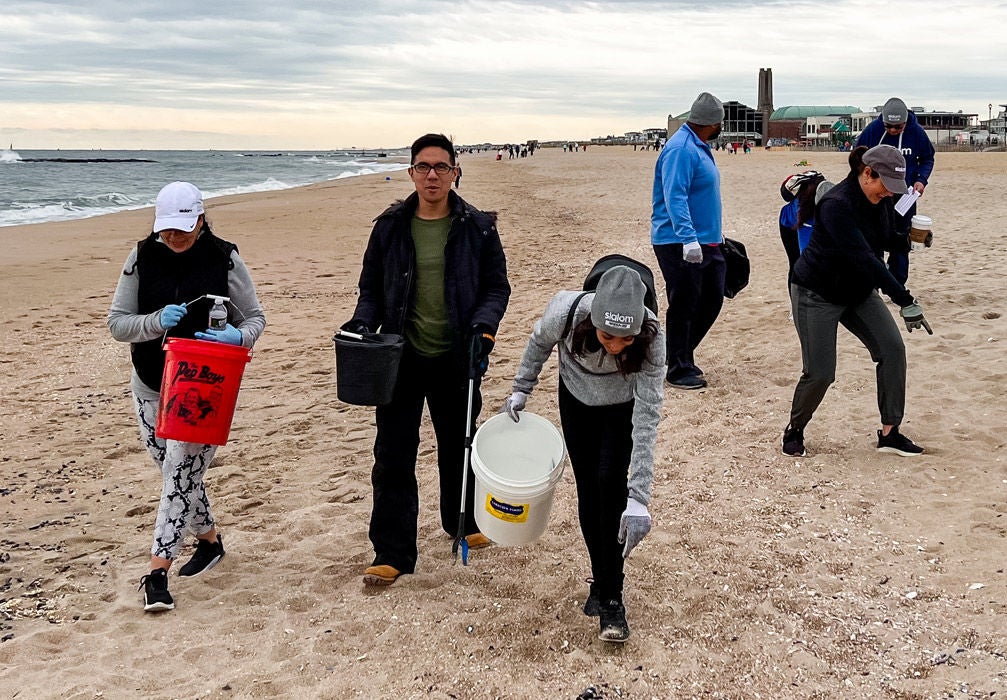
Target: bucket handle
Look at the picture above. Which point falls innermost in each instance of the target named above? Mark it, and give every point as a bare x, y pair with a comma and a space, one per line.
358, 336
164, 337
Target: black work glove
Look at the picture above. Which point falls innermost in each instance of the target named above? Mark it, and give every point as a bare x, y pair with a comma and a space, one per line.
355, 325
481, 343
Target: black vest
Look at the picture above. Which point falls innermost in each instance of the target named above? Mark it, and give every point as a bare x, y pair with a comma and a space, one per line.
167, 277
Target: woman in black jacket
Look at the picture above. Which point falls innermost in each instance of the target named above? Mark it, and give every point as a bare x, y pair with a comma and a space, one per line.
835, 281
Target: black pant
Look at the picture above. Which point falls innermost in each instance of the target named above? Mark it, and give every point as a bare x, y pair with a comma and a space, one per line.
695, 297
599, 440
443, 383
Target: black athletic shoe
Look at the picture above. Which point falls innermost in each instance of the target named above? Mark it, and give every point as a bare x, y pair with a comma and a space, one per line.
155, 591
689, 381
592, 606
614, 627
206, 557
898, 443
793, 442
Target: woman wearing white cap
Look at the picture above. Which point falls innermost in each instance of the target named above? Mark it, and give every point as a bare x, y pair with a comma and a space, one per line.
836, 281
611, 373
162, 289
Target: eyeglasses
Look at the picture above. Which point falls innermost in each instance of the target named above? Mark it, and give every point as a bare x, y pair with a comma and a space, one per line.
900, 127
439, 168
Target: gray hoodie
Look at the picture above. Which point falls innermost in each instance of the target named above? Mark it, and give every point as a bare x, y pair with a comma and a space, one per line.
594, 380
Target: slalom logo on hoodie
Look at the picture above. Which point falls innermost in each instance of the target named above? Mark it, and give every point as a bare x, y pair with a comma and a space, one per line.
617, 320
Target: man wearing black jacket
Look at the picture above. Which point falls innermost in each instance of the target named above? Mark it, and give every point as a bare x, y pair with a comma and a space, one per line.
434, 271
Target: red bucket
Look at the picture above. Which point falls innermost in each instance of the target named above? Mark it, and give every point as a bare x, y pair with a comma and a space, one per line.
199, 389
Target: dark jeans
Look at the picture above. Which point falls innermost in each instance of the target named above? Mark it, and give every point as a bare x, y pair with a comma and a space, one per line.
898, 263
443, 383
817, 324
695, 297
599, 442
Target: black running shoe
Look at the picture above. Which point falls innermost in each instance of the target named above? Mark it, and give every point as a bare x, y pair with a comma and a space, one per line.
614, 627
592, 606
793, 442
898, 443
156, 597
206, 557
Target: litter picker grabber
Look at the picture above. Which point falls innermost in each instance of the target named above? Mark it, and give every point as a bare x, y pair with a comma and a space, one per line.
460, 540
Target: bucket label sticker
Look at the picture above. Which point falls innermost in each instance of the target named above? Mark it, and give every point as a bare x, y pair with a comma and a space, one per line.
191, 406
507, 512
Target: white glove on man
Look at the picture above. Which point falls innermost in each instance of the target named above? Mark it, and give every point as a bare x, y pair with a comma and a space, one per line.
634, 525
515, 403
692, 252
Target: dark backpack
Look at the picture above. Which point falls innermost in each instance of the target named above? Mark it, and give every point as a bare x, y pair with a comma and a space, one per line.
603, 265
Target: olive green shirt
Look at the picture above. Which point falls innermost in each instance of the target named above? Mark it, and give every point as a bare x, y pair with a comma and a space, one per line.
427, 328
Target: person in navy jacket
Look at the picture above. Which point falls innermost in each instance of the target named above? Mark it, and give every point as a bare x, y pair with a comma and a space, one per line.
898, 126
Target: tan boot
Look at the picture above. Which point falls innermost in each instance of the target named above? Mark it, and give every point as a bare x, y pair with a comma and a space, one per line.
380, 575
478, 540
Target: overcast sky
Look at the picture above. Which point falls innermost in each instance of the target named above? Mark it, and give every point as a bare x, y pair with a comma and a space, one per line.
376, 73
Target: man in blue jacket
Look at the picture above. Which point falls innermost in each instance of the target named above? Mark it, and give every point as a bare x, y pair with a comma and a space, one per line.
685, 230
898, 126
434, 271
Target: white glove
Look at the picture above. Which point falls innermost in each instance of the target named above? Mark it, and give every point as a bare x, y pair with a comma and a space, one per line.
514, 403
634, 525
692, 252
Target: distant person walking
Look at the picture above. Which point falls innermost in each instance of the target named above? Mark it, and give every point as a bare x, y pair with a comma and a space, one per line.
685, 231
835, 281
897, 126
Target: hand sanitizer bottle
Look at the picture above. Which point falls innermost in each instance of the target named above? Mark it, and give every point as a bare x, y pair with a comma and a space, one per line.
218, 313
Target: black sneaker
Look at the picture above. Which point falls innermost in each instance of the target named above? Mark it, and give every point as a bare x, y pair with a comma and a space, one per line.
614, 627
689, 381
793, 442
206, 557
592, 606
898, 443
155, 591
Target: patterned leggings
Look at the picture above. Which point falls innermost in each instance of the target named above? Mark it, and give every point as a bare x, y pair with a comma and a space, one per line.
184, 506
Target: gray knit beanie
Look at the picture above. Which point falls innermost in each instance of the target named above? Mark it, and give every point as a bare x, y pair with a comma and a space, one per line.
707, 110
618, 307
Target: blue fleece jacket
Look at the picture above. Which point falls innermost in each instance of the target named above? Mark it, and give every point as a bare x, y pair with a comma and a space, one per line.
913, 142
686, 197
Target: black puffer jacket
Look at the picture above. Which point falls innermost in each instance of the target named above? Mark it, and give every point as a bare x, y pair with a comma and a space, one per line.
476, 289
842, 262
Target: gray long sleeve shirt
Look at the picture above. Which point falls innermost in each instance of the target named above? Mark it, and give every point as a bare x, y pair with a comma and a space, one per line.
129, 326
594, 380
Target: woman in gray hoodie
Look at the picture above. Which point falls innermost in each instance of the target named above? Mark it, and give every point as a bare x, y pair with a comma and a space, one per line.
611, 370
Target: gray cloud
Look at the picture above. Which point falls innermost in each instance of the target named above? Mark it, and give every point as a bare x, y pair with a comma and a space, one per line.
632, 60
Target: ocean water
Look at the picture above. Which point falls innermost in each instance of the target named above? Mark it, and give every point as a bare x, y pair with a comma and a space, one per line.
37, 186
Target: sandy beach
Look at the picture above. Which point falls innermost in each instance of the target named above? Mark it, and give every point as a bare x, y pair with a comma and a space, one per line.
846, 574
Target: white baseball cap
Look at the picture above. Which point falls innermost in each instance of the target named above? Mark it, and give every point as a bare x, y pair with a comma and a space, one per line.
178, 206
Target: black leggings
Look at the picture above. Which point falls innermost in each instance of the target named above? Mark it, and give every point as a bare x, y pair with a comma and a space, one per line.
599, 441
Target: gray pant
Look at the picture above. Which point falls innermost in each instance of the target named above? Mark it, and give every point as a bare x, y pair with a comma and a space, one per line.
817, 322
184, 506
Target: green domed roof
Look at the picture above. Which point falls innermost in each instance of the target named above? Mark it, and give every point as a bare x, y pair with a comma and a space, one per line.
805, 111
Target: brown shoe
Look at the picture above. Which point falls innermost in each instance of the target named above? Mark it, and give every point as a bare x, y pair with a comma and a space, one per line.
478, 540
380, 575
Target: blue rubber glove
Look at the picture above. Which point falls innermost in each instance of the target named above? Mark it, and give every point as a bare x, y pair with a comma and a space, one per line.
171, 315
634, 525
230, 335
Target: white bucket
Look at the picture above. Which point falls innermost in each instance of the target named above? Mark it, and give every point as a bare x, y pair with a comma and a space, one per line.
516, 468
